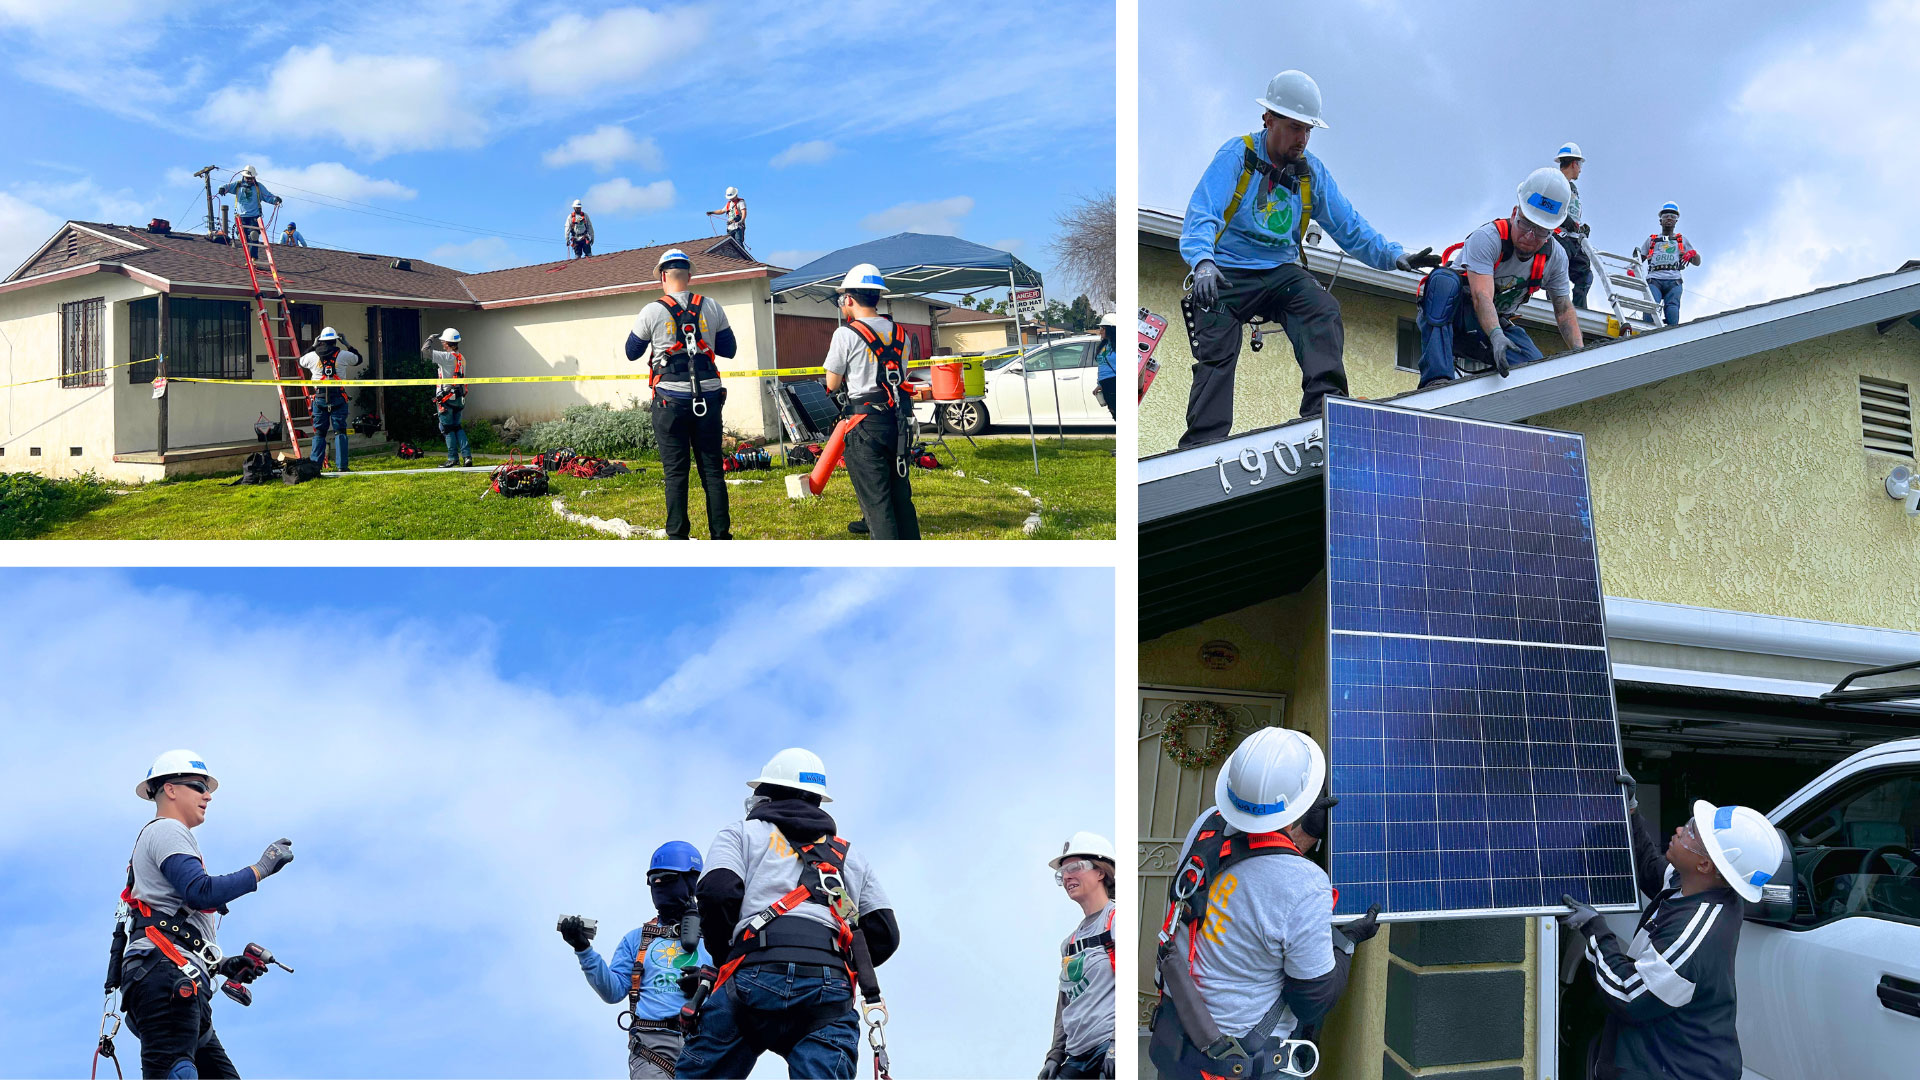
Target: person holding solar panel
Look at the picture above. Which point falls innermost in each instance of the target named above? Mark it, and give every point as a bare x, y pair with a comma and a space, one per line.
1670, 992
1256, 933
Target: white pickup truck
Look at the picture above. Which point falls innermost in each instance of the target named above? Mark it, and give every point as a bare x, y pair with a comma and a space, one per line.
1829, 965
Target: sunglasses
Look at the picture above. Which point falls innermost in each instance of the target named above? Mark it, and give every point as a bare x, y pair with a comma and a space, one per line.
197, 785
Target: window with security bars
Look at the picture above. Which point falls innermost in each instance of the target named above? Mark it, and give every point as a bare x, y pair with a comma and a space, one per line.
82, 352
208, 339
1886, 416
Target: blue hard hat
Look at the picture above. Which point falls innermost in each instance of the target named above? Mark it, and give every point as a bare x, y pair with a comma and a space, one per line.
676, 855
1670, 208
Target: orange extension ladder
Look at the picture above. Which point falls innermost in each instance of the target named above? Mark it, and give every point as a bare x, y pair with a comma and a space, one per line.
277, 330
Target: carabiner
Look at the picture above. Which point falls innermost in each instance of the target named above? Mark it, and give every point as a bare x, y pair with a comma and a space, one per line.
699, 407
1297, 1057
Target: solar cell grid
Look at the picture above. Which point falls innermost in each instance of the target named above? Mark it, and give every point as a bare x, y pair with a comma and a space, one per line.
1473, 740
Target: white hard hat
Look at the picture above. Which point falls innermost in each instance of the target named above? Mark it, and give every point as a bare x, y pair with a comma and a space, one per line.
1111, 318
798, 769
1671, 208
1742, 843
576, 204
1271, 781
864, 276
248, 172
450, 334
732, 191
328, 334
1091, 845
1569, 150
175, 763
1543, 197
1294, 93
673, 255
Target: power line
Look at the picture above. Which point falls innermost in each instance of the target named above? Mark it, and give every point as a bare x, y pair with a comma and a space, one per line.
414, 219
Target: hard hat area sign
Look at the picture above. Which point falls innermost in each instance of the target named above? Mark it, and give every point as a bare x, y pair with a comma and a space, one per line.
1027, 301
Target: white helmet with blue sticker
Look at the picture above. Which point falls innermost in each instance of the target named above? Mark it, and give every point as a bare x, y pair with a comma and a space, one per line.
798, 769
1271, 780
1743, 844
863, 276
174, 763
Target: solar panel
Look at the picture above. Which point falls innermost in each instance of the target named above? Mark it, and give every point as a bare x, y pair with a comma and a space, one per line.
814, 404
1472, 736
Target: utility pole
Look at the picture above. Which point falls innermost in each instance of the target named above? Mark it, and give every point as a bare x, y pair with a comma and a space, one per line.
206, 177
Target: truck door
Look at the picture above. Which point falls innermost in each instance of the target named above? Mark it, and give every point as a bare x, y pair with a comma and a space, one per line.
1836, 992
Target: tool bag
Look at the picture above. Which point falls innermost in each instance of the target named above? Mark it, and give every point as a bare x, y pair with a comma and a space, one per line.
299, 471
554, 460
515, 479
406, 451
259, 468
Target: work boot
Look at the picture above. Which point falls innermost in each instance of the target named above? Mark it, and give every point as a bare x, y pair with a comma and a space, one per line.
467, 462
1431, 383
858, 528
447, 464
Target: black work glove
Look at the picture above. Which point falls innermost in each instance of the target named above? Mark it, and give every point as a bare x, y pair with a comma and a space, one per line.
1364, 927
1206, 284
1107, 1067
278, 854
1499, 343
1633, 790
691, 978
577, 933
241, 968
1581, 920
1050, 1070
1424, 259
1586, 229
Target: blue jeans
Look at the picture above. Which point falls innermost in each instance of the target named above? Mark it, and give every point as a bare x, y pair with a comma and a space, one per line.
330, 413
1449, 328
455, 434
1667, 291
803, 1012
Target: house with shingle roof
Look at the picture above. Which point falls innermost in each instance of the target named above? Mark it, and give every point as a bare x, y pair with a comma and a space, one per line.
80, 322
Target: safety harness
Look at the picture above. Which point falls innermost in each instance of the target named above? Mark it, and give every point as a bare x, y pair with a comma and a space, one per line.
173, 936
821, 865
1102, 940
1536, 270
1294, 176
690, 355
1671, 258
631, 1021
890, 361
1183, 1011
452, 395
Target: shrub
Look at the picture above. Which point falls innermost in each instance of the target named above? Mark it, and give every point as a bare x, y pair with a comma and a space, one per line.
600, 430
30, 504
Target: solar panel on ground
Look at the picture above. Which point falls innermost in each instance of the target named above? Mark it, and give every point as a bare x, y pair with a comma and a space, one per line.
814, 404
1472, 737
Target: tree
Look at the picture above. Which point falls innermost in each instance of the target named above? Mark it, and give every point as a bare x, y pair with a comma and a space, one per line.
1084, 247
1081, 315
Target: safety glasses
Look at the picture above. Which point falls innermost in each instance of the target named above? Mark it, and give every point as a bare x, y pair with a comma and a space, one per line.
197, 785
1072, 866
1690, 839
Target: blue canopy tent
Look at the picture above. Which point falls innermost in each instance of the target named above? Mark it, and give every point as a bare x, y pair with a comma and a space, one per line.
917, 264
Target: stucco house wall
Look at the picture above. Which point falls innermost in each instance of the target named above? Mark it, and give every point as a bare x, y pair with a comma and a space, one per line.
45, 415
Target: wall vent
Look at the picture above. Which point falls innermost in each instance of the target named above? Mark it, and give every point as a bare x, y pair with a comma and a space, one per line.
1886, 416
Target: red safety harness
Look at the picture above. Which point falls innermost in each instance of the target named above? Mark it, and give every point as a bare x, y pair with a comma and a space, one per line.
1680, 244
1536, 273
820, 883
889, 354
446, 397
1102, 940
1212, 854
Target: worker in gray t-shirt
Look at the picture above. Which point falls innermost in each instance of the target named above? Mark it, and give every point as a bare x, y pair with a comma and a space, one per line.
681, 334
1573, 232
1466, 310
1083, 1016
442, 350
782, 902
868, 356
168, 957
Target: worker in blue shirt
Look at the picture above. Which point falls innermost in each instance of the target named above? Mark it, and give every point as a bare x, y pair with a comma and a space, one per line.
1108, 380
290, 236
648, 963
248, 194
1242, 237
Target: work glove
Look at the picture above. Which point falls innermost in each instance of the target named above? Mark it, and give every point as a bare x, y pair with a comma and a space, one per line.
1206, 284
1050, 1070
1581, 919
1586, 229
691, 979
1633, 790
1364, 927
241, 968
1424, 259
1498, 341
577, 933
278, 854
1107, 1067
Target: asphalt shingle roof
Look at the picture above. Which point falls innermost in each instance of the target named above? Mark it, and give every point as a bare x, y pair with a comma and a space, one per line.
192, 257
615, 269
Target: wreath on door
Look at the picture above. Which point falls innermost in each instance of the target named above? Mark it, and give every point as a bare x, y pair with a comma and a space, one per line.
1173, 740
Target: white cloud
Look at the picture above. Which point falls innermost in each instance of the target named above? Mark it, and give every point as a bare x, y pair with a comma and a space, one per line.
795, 258
1012, 245
482, 253
812, 152
1837, 214
326, 178
97, 14
576, 54
603, 146
23, 228
377, 104
940, 216
619, 196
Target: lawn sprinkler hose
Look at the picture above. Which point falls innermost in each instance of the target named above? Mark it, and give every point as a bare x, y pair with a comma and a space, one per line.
800, 486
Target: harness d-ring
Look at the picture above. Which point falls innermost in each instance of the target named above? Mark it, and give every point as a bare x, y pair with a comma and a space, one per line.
699, 406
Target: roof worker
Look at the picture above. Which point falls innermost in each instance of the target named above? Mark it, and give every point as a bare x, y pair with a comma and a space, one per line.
323, 363
579, 234
805, 922
1083, 1016
1467, 310
735, 211
1666, 254
248, 194
1108, 377
1670, 992
170, 918
1242, 236
1256, 933
868, 355
650, 961
686, 332
442, 350
1573, 232
290, 236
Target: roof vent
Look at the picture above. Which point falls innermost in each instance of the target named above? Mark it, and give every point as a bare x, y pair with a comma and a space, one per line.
1886, 416
369, 258
401, 264
73, 244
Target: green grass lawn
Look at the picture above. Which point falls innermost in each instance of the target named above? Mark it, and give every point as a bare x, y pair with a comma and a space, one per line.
1076, 488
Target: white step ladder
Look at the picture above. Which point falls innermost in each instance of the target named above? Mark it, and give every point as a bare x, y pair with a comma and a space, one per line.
1626, 291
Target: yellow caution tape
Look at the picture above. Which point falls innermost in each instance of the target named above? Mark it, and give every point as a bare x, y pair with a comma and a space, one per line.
77, 374
347, 384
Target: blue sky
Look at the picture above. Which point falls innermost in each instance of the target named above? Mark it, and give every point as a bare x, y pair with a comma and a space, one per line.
839, 125
1788, 133
461, 756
